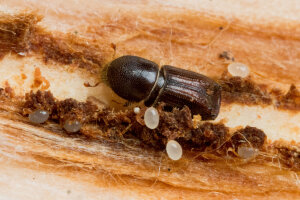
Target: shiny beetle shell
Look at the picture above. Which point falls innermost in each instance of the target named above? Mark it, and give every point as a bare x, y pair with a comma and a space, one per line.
132, 77
200, 93
136, 79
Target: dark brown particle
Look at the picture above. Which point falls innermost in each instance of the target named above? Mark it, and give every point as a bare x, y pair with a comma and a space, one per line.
226, 55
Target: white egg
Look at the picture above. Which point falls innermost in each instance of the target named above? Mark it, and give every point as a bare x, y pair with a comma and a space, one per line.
151, 118
238, 69
174, 150
136, 110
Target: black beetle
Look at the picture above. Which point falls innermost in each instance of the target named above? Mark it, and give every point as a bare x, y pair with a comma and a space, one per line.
136, 79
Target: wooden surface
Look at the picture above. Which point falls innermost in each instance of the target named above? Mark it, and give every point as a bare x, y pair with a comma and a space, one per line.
36, 163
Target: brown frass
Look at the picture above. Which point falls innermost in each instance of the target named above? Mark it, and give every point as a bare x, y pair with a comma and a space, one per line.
68, 109
106, 122
290, 100
126, 127
245, 91
21, 34
289, 156
209, 136
249, 136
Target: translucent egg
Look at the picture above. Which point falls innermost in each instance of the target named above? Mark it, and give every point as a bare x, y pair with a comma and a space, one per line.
72, 126
238, 69
151, 118
174, 150
247, 152
38, 116
136, 110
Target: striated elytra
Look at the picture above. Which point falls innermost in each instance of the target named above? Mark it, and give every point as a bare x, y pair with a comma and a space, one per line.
136, 79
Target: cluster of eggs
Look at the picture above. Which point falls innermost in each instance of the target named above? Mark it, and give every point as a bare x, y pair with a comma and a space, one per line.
41, 116
173, 148
151, 118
